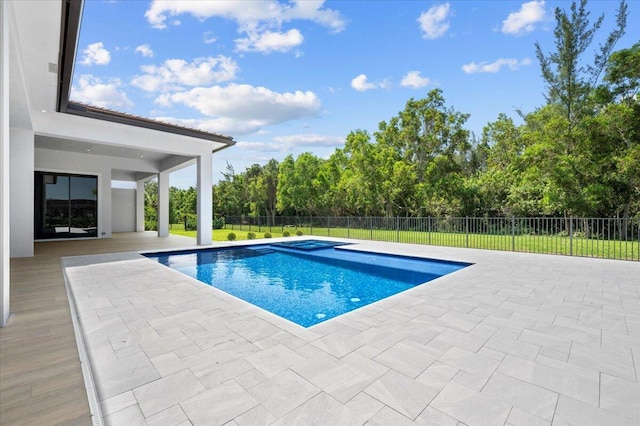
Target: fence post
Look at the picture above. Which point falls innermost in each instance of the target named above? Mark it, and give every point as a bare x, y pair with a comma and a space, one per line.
348, 228
429, 229
328, 230
371, 227
311, 224
570, 236
398, 229
513, 234
466, 225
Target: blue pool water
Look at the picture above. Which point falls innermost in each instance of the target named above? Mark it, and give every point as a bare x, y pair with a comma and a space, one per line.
307, 281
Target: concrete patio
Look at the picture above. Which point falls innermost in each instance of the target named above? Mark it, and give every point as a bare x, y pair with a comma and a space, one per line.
514, 339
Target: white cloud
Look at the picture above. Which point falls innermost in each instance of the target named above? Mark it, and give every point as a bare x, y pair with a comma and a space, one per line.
523, 21
287, 143
247, 13
95, 54
94, 91
433, 22
310, 139
244, 107
209, 38
145, 50
415, 80
175, 74
270, 41
494, 67
221, 126
361, 84
259, 21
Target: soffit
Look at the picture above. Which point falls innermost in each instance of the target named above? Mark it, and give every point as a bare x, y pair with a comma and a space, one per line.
86, 147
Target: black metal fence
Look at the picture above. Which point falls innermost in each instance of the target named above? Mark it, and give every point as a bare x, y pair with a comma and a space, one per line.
610, 238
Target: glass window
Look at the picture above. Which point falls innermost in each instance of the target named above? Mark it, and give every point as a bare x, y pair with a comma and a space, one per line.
66, 205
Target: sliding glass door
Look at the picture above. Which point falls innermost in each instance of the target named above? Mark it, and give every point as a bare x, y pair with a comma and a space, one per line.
66, 205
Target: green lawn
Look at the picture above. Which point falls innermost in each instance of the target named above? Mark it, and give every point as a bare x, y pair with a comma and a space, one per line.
221, 234
627, 250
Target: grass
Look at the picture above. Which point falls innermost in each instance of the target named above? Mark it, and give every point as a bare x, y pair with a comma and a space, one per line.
546, 244
221, 234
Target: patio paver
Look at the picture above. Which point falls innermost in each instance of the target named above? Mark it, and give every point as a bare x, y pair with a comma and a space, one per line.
514, 339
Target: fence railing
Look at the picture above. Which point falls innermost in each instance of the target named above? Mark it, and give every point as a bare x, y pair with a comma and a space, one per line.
609, 238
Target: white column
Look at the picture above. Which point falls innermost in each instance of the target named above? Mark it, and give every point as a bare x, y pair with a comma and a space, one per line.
140, 206
104, 203
205, 207
163, 204
4, 163
21, 191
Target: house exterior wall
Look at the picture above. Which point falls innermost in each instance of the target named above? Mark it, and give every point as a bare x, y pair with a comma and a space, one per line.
22, 192
123, 210
4, 163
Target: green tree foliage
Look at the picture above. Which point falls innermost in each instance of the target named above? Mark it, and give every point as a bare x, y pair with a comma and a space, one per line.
151, 205
298, 189
570, 78
562, 168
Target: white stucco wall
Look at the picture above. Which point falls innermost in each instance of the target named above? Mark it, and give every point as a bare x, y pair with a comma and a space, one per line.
22, 192
123, 210
4, 163
140, 206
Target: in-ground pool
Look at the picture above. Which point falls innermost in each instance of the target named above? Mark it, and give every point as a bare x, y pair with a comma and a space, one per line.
306, 281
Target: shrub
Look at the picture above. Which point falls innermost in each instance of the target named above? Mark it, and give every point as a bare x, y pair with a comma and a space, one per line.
218, 222
286, 234
231, 236
299, 233
251, 235
190, 222
267, 234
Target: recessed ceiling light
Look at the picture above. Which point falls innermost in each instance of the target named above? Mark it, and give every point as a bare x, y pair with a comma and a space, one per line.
142, 156
43, 110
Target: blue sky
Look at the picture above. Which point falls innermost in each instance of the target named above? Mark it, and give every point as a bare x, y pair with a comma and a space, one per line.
288, 77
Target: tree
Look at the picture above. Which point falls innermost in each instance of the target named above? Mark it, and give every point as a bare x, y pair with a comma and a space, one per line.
330, 198
623, 76
423, 150
359, 183
151, 205
562, 164
270, 186
229, 193
569, 82
619, 123
502, 146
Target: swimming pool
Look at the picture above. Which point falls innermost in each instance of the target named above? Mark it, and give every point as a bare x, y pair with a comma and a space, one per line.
306, 281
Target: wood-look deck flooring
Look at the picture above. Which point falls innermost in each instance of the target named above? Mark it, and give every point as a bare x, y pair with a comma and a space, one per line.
40, 375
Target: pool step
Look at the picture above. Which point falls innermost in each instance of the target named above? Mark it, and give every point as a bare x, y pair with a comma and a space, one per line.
263, 250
